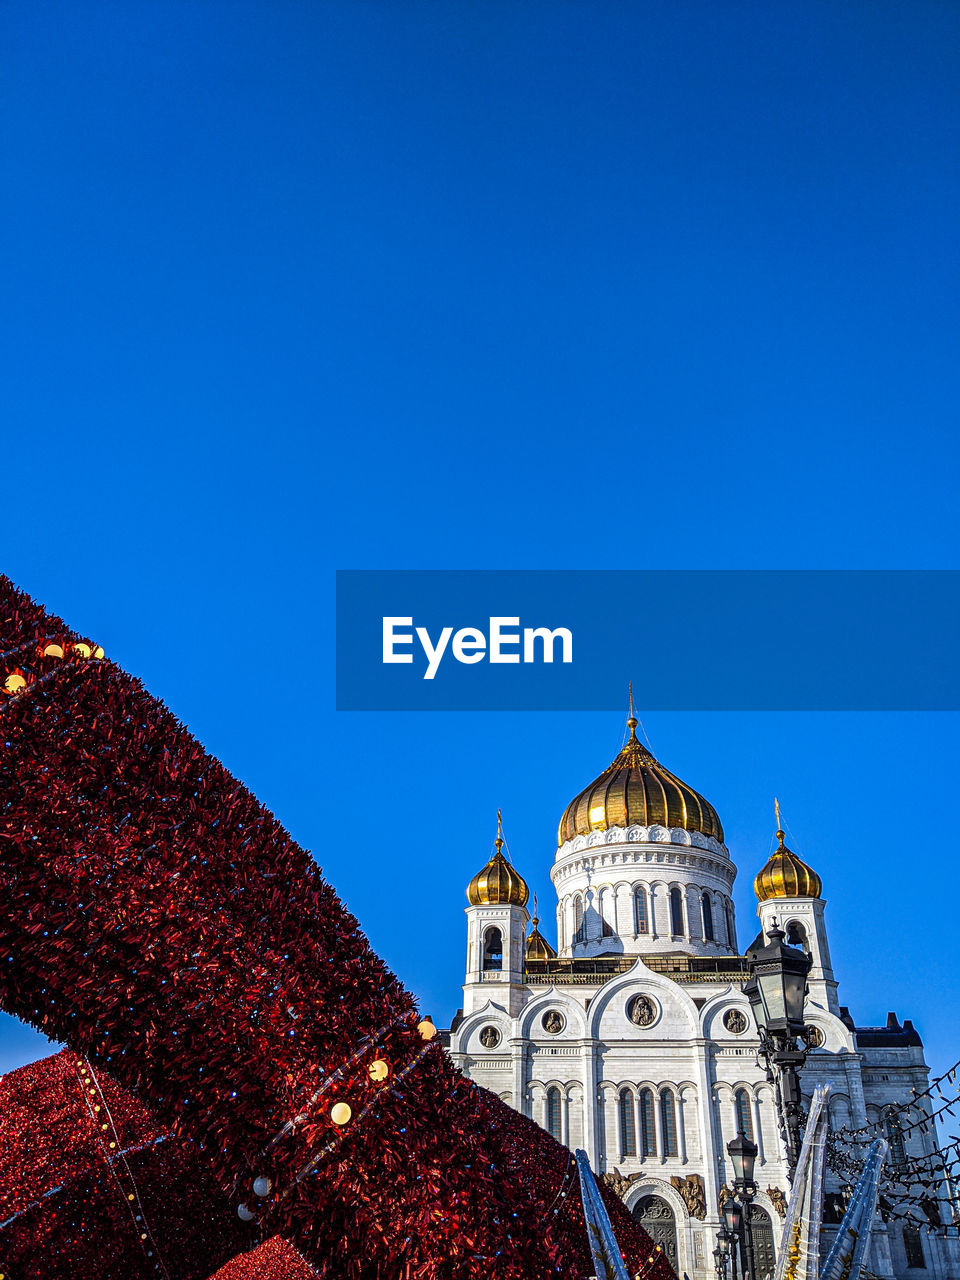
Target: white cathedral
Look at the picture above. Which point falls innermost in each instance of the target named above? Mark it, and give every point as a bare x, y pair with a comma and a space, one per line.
633, 1039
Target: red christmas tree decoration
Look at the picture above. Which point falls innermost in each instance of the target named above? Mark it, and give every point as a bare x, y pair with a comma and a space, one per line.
273, 1260
86, 1172
162, 923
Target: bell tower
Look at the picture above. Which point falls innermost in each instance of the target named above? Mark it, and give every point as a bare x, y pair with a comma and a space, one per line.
789, 892
497, 920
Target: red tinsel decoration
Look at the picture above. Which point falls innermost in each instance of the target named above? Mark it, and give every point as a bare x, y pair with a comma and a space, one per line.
273, 1260
142, 1209
163, 924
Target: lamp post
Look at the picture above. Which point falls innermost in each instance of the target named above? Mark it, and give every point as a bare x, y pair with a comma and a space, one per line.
720, 1254
743, 1156
776, 991
732, 1217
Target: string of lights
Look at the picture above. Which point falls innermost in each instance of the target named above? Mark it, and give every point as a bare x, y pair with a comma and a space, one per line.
98, 1110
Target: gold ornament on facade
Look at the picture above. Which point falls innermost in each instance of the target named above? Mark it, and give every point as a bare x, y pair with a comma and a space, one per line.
498, 884
693, 1194
636, 790
785, 875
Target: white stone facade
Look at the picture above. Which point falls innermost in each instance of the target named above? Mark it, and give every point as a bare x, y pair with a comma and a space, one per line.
654, 1098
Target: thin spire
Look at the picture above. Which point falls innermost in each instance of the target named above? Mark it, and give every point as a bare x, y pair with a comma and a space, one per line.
499, 840
631, 719
536, 919
780, 831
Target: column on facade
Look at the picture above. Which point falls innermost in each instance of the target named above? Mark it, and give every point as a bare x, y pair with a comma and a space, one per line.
681, 1127
519, 1072
654, 898
694, 898
591, 1083
757, 1126
708, 1134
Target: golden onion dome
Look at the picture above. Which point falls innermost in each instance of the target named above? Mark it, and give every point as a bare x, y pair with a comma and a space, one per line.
537, 947
636, 790
498, 884
786, 876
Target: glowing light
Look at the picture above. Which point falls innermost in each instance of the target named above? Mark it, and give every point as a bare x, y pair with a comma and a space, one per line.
340, 1113
427, 1029
379, 1070
53, 651
82, 650
14, 682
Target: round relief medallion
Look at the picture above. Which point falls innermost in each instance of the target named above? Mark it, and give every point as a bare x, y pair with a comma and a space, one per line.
552, 1022
815, 1038
642, 1011
735, 1020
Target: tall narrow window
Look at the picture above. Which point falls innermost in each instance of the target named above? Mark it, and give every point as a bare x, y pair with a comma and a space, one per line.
640, 908
676, 911
668, 1122
891, 1125
707, 918
578, 919
493, 949
628, 1124
648, 1132
553, 1114
742, 1113
913, 1247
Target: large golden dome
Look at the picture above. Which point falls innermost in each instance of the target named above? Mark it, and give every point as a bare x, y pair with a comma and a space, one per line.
636, 790
786, 876
498, 884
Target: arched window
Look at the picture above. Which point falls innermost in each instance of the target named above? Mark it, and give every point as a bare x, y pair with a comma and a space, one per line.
797, 936
493, 949
553, 1113
891, 1126
628, 1124
707, 918
578, 919
648, 1132
913, 1247
676, 911
743, 1114
640, 909
668, 1122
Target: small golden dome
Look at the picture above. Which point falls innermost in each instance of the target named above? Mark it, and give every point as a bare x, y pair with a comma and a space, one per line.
537, 947
636, 790
498, 884
786, 876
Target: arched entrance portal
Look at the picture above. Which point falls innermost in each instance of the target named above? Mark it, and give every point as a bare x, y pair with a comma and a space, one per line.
656, 1218
762, 1230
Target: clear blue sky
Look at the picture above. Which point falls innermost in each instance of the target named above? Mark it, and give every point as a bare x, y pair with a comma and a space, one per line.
291, 286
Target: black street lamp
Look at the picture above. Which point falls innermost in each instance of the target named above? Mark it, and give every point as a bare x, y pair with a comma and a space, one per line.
732, 1218
743, 1158
776, 991
720, 1255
